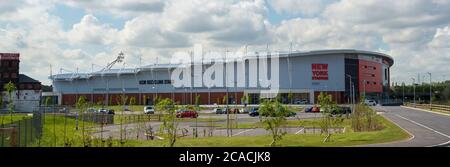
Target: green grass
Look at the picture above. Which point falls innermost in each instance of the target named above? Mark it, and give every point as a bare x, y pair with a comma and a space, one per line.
16, 117
390, 133
289, 123
55, 130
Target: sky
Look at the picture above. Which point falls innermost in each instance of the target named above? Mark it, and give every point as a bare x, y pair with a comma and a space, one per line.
84, 35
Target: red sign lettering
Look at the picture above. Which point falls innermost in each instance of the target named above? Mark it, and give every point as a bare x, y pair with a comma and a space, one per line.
319, 71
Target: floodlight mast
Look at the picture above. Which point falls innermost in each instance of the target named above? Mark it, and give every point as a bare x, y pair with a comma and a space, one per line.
119, 59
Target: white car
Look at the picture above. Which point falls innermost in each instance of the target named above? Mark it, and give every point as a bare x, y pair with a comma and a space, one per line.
102, 110
149, 110
370, 102
91, 110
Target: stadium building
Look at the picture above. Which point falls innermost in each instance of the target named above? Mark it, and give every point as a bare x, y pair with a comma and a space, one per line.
302, 74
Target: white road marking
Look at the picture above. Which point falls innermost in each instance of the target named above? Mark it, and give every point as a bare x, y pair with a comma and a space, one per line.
242, 132
299, 131
443, 134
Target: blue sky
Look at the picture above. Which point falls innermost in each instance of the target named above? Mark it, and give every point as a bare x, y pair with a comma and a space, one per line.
70, 34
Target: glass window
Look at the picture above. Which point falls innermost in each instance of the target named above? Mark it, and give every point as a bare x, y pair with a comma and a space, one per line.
150, 81
13, 75
14, 64
160, 82
142, 82
5, 75
385, 74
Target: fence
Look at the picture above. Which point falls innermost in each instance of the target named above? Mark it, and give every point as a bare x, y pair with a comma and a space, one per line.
23, 132
134, 118
432, 107
93, 117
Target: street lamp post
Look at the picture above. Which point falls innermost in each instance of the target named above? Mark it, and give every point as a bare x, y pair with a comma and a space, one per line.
403, 92
350, 90
414, 90
364, 89
430, 91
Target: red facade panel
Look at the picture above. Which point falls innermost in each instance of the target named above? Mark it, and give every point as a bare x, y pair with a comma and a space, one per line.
370, 78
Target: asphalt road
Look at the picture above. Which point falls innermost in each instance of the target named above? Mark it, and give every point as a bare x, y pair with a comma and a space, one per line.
427, 129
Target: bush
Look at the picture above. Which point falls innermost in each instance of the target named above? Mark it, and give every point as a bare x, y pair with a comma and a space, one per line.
365, 119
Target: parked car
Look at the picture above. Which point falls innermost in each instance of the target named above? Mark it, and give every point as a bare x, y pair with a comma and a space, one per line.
111, 112
301, 101
341, 110
243, 111
253, 112
218, 111
187, 114
149, 110
287, 114
308, 109
370, 102
102, 110
291, 114
233, 111
315, 109
91, 110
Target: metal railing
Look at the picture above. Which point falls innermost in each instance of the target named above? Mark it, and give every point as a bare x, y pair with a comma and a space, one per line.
23, 132
432, 107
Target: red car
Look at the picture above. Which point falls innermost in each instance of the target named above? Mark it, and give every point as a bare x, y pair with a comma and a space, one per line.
187, 114
315, 109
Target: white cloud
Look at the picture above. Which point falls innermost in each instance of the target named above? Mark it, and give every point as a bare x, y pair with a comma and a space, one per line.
441, 38
299, 7
146, 31
89, 30
120, 8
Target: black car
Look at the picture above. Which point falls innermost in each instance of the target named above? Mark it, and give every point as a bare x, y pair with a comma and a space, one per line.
291, 114
253, 112
111, 112
341, 110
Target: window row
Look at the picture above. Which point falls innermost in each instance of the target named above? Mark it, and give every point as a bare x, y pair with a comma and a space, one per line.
372, 67
9, 63
30, 86
8, 75
368, 83
151, 82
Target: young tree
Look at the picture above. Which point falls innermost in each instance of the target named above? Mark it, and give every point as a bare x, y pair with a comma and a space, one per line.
144, 98
170, 124
327, 106
81, 105
10, 88
225, 99
121, 100
249, 100
290, 97
1, 106
132, 101
273, 118
101, 102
